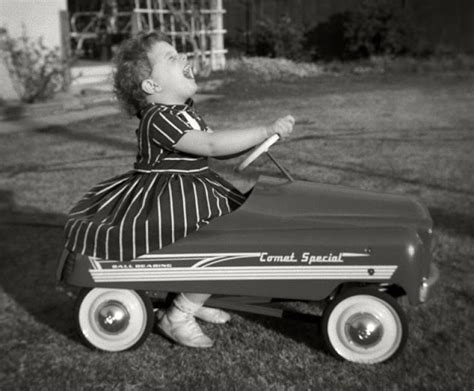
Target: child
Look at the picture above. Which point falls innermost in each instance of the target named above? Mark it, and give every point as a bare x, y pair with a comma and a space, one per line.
171, 192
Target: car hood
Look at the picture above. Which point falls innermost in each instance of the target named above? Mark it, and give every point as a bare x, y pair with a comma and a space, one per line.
274, 202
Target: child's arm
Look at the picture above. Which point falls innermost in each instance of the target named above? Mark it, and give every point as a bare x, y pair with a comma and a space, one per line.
223, 143
233, 155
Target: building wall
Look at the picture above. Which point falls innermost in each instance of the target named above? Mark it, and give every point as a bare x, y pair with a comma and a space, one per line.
38, 18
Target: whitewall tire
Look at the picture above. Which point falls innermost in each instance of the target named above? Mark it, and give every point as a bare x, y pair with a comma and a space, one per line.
364, 326
113, 320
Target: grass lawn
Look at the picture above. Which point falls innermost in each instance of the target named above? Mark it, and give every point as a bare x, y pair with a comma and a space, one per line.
396, 133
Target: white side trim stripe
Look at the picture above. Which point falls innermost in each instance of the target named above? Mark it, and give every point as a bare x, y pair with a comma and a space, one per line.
380, 272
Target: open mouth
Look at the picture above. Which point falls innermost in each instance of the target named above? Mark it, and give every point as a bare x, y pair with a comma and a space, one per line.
188, 72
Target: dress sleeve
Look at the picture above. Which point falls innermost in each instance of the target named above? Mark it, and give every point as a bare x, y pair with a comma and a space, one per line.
166, 128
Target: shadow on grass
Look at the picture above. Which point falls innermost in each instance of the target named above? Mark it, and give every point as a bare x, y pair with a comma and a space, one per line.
73, 134
30, 244
302, 328
96, 138
452, 221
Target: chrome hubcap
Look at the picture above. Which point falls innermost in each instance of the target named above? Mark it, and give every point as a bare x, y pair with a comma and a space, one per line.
112, 317
364, 330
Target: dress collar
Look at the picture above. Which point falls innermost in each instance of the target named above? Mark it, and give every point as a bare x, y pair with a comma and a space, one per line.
188, 105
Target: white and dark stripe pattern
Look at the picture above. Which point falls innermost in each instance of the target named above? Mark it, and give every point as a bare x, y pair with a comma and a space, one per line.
166, 197
233, 266
262, 273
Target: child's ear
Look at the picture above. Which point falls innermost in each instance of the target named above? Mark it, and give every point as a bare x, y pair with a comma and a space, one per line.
150, 87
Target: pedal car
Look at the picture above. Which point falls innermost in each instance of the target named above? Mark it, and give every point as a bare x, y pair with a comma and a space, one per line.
354, 251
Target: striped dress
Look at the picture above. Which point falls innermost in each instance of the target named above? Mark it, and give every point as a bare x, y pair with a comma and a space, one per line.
167, 196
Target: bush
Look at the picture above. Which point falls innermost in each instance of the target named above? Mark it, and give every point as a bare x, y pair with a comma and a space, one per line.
374, 28
379, 27
37, 71
327, 41
282, 38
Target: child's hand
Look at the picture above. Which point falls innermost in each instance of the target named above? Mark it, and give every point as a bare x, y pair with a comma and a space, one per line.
282, 126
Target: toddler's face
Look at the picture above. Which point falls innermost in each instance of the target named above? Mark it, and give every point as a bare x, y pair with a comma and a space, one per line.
172, 72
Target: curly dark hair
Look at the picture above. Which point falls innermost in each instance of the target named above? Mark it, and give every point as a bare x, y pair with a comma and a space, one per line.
132, 66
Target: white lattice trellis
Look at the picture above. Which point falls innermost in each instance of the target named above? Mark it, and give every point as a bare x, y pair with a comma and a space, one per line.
195, 28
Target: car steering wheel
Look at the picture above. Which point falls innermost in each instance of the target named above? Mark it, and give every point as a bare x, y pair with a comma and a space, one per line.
257, 151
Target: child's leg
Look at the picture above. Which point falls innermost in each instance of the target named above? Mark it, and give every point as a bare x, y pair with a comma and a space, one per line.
193, 303
179, 324
187, 303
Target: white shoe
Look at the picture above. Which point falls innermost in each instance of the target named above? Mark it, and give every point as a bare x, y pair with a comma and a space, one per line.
185, 332
212, 315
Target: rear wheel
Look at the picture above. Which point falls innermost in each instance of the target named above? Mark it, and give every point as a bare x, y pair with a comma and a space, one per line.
113, 320
364, 326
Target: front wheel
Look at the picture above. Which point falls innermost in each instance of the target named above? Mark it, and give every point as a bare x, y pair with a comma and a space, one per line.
364, 326
113, 320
